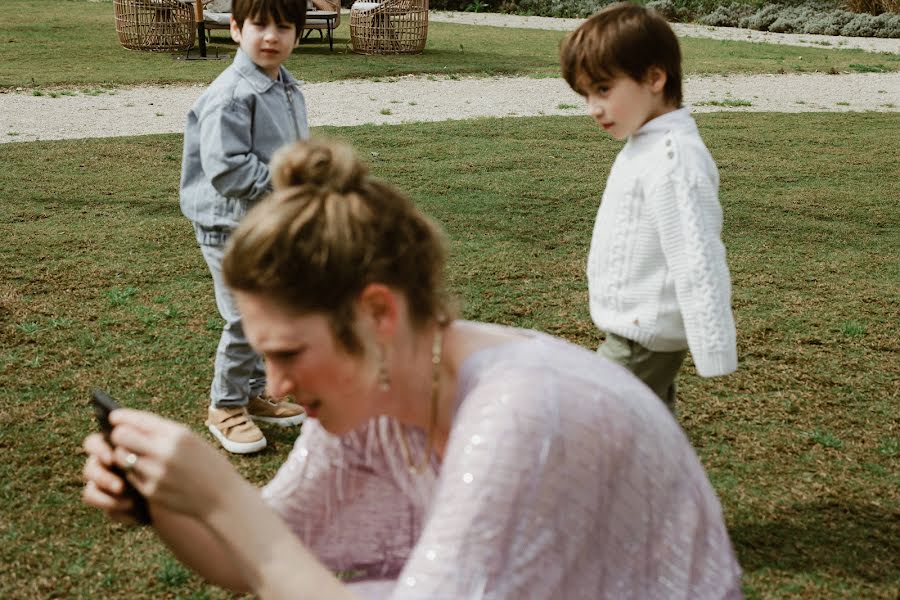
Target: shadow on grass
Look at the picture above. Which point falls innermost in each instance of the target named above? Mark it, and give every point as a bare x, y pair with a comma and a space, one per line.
860, 542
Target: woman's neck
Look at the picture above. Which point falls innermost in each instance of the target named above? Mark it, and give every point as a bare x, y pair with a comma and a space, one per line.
460, 340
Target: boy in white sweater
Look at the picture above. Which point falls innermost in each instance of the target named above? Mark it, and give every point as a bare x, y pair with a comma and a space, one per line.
657, 275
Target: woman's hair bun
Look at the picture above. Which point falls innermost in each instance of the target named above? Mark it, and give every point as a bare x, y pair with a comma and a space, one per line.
317, 163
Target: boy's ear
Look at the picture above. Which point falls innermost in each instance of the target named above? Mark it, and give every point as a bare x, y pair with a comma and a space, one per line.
656, 79
235, 31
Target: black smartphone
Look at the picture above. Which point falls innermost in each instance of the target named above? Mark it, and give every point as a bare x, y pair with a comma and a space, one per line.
103, 404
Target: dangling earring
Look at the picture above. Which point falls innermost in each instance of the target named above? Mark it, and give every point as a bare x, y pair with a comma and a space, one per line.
384, 380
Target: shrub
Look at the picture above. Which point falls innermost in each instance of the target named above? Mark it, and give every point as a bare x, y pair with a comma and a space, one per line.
727, 15
671, 9
828, 23
762, 18
811, 17
888, 25
788, 16
788, 21
866, 25
860, 25
558, 8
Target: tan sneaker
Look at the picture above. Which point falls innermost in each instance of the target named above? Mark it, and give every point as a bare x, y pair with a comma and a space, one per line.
280, 412
235, 430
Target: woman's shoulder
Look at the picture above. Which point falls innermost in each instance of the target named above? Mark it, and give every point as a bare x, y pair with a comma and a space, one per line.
524, 356
540, 379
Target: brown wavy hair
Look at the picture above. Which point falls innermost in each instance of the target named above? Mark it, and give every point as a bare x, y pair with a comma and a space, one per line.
622, 39
328, 230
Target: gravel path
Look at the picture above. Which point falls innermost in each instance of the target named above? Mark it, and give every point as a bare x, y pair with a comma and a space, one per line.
144, 110
162, 109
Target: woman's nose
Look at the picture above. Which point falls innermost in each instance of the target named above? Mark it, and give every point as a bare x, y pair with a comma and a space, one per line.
279, 385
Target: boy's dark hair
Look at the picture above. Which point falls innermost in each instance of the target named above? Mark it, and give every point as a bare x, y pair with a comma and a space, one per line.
622, 39
280, 11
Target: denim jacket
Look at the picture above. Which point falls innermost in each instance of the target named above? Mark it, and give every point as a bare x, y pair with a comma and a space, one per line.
231, 133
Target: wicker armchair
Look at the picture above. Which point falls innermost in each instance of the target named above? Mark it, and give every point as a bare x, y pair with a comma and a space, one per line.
155, 25
389, 27
216, 15
321, 25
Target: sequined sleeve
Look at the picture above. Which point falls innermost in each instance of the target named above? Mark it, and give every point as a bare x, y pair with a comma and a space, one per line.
341, 499
564, 477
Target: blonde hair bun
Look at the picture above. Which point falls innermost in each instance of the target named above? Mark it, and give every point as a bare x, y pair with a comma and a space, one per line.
319, 164
330, 229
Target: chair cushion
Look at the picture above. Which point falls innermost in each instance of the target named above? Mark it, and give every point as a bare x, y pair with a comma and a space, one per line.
223, 19
363, 6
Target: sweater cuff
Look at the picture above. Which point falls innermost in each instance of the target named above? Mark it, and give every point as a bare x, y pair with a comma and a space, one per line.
715, 364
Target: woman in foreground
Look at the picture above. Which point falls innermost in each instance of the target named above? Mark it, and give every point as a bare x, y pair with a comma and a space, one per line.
449, 459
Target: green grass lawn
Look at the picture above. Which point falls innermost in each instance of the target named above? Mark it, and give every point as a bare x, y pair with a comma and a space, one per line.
101, 284
48, 43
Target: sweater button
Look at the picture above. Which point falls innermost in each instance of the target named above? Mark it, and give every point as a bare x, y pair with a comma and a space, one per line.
668, 142
671, 154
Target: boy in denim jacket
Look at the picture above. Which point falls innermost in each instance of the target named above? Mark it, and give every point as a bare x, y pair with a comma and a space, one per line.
253, 108
658, 278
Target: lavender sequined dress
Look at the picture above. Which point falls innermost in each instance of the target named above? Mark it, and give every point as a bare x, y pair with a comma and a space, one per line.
564, 477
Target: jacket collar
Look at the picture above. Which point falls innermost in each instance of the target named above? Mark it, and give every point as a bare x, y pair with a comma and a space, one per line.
255, 76
679, 119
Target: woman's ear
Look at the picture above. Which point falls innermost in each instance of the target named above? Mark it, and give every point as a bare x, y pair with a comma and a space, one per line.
656, 79
380, 306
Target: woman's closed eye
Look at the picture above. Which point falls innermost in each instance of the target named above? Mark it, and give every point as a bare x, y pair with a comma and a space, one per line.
284, 355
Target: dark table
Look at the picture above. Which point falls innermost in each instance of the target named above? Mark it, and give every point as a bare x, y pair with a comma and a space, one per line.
322, 15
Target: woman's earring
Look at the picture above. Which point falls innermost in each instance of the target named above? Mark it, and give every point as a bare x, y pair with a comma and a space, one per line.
384, 380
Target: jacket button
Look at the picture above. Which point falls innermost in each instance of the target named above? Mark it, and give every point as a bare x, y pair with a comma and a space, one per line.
671, 154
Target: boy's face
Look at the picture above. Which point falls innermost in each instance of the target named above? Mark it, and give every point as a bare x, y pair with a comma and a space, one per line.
622, 105
267, 43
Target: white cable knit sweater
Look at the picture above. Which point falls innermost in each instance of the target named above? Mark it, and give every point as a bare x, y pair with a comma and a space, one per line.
657, 272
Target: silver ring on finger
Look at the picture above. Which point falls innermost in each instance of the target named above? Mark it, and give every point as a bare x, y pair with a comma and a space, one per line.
130, 462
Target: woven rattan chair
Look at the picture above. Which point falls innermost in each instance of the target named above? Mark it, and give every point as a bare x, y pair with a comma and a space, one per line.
155, 25
320, 25
389, 27
216, 15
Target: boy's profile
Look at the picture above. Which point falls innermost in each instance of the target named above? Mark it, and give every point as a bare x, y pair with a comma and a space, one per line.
658, 278
253, 108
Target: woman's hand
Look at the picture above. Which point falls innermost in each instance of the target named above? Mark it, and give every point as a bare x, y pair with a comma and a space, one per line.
170, 465
103, 488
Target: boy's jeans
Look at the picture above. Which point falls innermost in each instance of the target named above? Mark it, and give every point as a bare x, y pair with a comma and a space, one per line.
657, 369
239, 371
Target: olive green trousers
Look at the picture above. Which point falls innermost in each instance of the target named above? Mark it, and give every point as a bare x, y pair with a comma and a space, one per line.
657, 369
